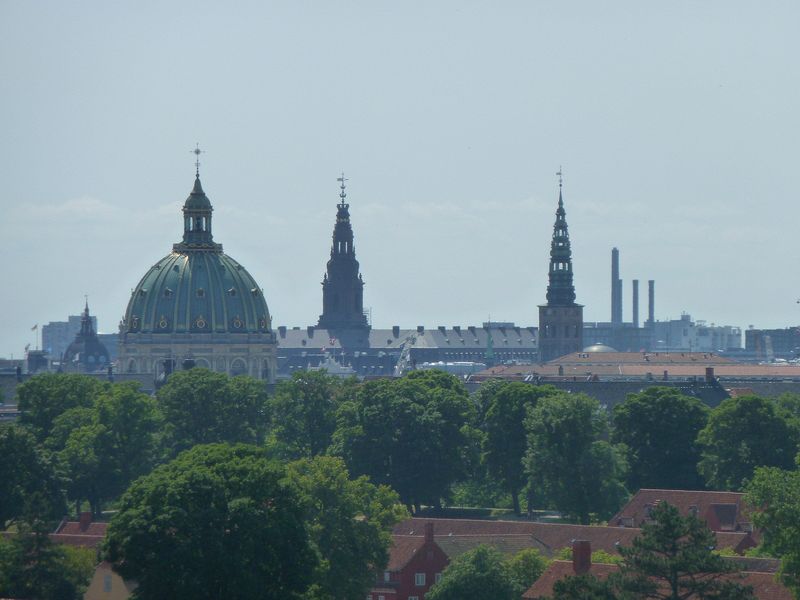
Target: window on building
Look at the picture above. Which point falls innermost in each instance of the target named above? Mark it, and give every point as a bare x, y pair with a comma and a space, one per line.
413, 598
386, 575
419, 579
437, 578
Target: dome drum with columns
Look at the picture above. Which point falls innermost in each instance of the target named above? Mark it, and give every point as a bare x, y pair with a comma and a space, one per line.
198, 303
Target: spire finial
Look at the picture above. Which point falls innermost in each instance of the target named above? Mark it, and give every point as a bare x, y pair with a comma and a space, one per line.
197, 152
341, 181
560, 176
86, 300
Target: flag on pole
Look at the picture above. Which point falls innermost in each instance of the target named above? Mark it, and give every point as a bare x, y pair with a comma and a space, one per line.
35, 327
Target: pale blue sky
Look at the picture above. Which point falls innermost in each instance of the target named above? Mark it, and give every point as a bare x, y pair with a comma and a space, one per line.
676, 123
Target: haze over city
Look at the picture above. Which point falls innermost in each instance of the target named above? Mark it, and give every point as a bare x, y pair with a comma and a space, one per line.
675, 126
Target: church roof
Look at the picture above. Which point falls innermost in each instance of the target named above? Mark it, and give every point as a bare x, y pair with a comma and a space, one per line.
197, 288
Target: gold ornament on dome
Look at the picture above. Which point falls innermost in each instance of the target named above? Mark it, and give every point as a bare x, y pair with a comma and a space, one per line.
163, 322
200, 322
237, 322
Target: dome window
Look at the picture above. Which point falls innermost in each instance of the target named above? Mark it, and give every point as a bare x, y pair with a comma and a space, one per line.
254, 291
167, 293
232, 292
201, 293
142, 292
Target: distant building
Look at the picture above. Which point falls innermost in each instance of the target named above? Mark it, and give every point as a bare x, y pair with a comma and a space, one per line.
57, 335
86, 353
769, 344
561, 319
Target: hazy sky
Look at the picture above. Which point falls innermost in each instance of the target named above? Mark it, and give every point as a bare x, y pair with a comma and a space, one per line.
676, 124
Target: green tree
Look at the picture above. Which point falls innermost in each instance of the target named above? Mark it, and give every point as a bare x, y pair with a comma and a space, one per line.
673, 559
303, 413
525, 567
25, 470
410, 433
480, 574
43, 397
583, 587
742, 434
659, 428
349, 524
776, 494
219, 521
112, 443
203, 407
506, 440
569, 464
32, 567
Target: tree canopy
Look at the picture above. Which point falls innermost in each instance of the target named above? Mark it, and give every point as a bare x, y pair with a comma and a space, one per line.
659, 427
742, 434
505, 438
480, 574
203, 407
569, 464
219, 521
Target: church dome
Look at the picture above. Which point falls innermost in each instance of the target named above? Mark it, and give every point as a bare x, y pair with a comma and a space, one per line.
86, 352
197, 288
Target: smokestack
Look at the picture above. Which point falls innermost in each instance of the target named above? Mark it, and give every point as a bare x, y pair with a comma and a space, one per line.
636, 303
616, 289
651, 302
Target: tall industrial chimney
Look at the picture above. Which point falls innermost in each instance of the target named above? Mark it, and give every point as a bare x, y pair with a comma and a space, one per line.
635, 303
651, 302
616, 289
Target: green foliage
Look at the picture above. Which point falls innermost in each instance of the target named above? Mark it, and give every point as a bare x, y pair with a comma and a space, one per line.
525, 567
303, 413
349, 524
44, 397
674, 558
103, 448
26, 470
776, 493
742, 434
409, 433
31, 566
219, 521
598, 556
505, 440
203, 407
583, 587
570, 467
480, 574
659, 427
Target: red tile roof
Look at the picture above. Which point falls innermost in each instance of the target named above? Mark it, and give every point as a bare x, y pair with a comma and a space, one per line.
402, 550
548, 537
722, 511
87, 534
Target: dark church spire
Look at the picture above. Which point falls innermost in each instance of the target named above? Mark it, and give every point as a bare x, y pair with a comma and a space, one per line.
560, 288
342, 286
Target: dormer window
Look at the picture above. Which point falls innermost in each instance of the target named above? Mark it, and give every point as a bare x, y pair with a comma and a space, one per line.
232, 292
201, 293
167, 293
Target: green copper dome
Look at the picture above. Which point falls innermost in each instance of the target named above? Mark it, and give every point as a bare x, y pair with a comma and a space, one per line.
197, 288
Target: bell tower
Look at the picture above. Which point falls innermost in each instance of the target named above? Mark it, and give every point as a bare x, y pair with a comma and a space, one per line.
561, 319
342, 286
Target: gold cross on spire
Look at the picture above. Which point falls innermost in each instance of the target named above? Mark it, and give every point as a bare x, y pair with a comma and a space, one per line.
560, 176
197, 152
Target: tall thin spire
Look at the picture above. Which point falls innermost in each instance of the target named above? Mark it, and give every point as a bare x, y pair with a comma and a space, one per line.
560, 289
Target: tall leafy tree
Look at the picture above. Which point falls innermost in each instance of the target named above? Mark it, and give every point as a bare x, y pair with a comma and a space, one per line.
303, 413
776, 495
219, 521
742, 434
659, 428
480, 574
525, 567
112, 443
44, 397
673, 559
349, 524
570, 465
505, 441
26, 470
408, 433
203, 407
